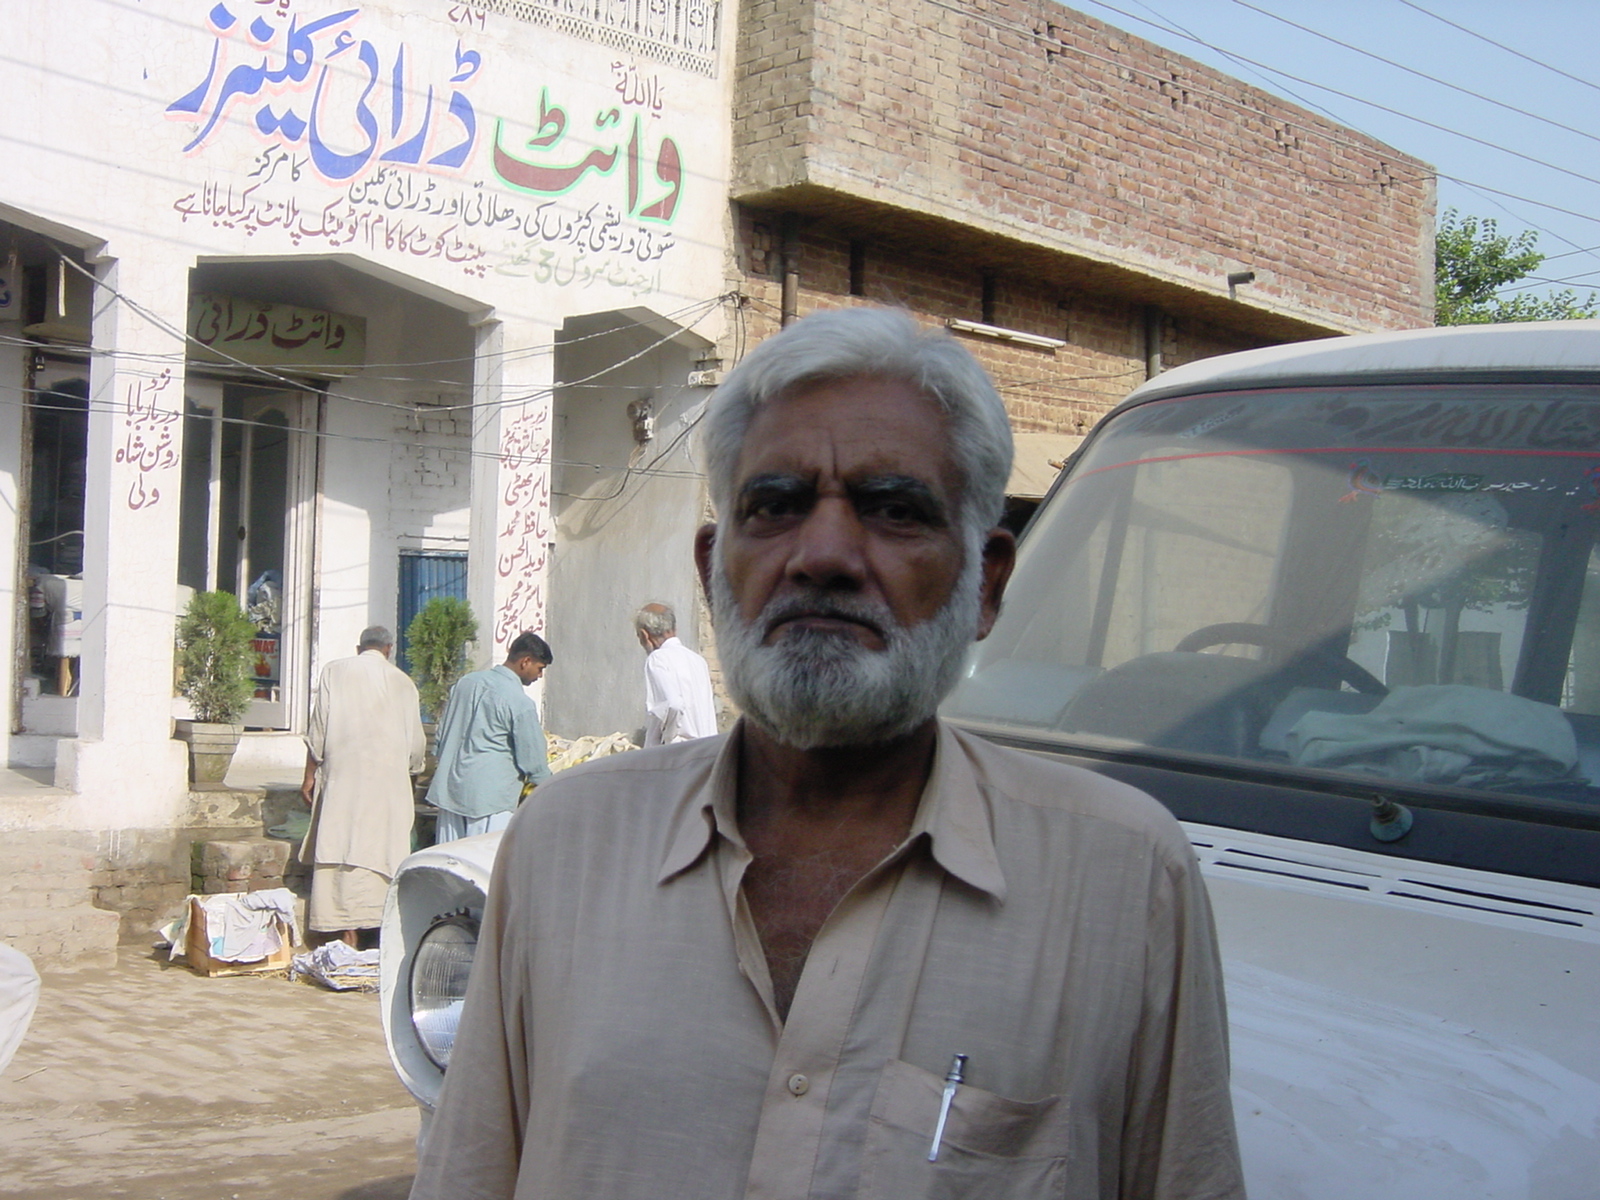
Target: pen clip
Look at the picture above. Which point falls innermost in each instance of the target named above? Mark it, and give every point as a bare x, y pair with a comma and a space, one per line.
952, 1081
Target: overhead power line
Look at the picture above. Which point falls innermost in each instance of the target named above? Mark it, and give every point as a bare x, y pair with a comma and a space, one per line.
1501, 46
1170, 27
1399, 66
1396, 112
703, 308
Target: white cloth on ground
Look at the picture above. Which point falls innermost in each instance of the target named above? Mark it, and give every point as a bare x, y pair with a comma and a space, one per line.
240, 926
339, 966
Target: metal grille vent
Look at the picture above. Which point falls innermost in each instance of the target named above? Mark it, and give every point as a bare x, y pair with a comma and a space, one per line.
1499, 899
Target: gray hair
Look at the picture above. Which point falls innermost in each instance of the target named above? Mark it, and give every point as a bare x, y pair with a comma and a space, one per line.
375, 637
874, 342
657, 620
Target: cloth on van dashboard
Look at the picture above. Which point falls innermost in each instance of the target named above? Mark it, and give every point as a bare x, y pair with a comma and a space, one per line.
1443, 733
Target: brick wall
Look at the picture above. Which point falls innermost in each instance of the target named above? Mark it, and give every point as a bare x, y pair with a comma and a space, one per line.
1027, 121
430, 468
1064, 391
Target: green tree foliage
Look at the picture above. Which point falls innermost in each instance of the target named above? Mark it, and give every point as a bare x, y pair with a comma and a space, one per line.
436, 645
1473, 261
215, 657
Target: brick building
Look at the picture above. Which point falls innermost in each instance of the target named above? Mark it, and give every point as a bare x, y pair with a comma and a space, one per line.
1015, 165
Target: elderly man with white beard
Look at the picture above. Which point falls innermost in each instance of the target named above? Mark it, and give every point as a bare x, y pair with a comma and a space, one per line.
843, 950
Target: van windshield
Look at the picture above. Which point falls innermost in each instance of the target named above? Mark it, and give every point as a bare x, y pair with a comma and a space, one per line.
1396, 582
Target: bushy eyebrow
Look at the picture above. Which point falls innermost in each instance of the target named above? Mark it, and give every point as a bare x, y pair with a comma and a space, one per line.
774, 483
901, 487
906, 488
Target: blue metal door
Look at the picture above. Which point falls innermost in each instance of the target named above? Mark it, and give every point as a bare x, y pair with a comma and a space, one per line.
425, 574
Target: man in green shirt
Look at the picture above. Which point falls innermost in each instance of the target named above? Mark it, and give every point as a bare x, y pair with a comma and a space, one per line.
490, 743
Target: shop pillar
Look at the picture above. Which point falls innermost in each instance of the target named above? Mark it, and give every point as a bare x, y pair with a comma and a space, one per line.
124, 760
512, 527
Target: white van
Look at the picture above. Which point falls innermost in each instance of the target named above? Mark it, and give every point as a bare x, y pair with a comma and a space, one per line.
1337, 604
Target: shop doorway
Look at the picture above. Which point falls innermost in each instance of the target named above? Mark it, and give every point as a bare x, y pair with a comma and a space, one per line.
58, 414
246, 527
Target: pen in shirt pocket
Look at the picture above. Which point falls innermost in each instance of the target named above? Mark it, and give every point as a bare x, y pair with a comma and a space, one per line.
952, 1080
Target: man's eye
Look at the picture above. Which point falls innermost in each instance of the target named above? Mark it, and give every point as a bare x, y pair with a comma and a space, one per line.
897, 512
773, 508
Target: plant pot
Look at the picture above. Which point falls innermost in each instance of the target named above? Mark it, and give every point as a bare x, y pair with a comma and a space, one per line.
211, 748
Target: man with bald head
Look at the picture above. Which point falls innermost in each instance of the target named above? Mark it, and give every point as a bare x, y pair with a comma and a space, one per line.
843, 950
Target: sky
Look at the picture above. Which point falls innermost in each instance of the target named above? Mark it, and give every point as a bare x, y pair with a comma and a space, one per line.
1555, 79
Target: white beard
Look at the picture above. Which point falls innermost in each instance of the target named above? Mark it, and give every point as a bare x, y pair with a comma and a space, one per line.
816, 688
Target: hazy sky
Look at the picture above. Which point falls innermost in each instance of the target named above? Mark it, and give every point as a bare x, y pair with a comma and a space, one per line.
1557, 35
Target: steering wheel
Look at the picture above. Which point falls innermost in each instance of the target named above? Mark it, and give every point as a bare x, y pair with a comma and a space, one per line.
1246, 633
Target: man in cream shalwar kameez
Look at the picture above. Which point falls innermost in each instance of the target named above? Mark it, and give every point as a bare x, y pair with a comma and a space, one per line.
363, 745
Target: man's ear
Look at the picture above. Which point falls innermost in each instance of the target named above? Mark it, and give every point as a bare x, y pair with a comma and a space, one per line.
704, 539
999, 556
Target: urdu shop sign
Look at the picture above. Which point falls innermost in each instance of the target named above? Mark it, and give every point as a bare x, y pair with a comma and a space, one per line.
227, 329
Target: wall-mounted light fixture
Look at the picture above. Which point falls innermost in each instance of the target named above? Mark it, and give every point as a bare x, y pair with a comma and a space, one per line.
1002, 334
642, 413
1236, 280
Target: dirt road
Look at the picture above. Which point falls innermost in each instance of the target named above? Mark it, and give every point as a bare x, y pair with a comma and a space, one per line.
148, 1082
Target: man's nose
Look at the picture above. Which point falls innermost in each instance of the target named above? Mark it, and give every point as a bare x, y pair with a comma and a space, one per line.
829, 548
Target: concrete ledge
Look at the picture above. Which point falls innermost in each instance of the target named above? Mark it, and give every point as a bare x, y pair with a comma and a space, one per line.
81, 936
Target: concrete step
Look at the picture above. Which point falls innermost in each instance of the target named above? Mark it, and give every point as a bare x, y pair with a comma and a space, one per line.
47, 891
74, 936
40, 875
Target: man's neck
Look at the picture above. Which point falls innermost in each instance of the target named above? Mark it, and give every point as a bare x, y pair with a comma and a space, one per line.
874, 783
816, 822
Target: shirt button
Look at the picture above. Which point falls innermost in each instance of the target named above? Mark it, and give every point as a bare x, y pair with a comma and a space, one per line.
799, 1085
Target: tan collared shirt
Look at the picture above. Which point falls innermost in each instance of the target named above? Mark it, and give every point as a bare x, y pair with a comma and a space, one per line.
620, 1039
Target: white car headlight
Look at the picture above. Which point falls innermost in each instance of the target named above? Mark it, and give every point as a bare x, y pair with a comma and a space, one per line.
438, 984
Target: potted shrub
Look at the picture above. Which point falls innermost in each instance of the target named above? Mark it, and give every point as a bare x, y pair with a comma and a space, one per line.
215, 674
436, 649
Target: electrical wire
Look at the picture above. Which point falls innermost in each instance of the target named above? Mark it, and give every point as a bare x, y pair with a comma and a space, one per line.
1399, 66
460, 451
704, 308
1501, 46
1280, 73
1168, 26
1192, 86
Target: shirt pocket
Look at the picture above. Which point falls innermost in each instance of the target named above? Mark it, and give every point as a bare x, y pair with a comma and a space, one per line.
993, 1148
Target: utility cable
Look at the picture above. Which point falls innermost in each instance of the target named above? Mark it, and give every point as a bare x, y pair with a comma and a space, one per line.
1501, 46
705, 307
1399, 66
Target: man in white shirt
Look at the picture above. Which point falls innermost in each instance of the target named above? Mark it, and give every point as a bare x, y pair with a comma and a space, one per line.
677, 682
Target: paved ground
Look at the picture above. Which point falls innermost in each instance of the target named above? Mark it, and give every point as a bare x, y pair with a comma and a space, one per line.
147, 1082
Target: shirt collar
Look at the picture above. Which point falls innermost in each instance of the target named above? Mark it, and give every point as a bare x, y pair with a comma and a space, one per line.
953, 813
706, 810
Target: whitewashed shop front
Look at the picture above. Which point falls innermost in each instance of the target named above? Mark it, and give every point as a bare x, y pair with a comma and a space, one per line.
317, 303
